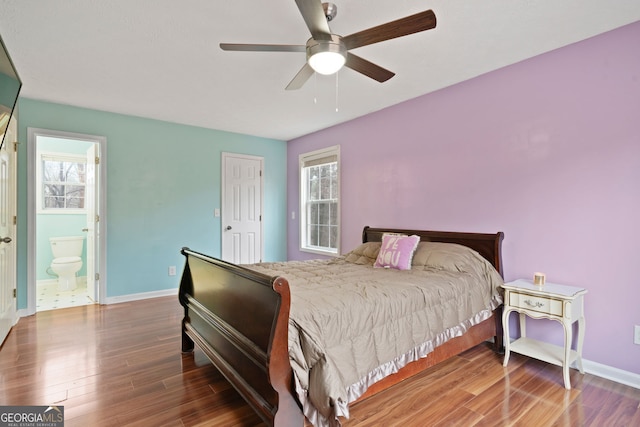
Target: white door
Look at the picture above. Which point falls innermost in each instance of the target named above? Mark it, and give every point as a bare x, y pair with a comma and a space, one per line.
90, 197
241, 208
7, 230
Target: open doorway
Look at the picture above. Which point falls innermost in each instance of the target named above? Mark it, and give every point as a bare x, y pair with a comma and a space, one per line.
66, 220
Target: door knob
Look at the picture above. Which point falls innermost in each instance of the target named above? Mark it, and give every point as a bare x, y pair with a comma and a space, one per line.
5, 239
228, 227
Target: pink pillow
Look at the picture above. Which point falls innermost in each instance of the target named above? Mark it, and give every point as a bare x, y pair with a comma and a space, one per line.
396, 251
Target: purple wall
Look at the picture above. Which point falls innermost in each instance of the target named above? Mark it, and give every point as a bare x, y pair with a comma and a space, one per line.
546, 150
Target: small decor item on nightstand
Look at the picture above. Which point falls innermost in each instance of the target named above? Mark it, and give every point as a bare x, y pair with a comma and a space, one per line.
539, 278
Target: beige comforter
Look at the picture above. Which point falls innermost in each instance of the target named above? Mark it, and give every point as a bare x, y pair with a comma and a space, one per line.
352, 324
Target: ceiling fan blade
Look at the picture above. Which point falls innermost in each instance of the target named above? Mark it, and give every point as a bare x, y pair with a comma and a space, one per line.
313, 15
301, 78
263, 47
367, 68
401, 27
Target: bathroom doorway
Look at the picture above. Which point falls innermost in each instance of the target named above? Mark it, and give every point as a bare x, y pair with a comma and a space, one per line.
66, 220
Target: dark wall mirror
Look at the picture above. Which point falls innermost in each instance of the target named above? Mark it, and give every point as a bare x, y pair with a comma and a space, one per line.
10, 85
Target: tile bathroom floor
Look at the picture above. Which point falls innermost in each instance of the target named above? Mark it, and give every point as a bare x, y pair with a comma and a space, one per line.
50, 298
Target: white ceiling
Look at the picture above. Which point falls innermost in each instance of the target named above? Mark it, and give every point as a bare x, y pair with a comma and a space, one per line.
160, 59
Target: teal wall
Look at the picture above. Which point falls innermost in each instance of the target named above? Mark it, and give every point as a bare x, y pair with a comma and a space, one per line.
163, 184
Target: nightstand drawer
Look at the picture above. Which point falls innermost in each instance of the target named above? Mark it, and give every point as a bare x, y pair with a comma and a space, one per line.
539, 304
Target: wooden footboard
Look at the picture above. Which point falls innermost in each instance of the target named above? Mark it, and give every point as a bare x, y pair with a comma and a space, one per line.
239, 318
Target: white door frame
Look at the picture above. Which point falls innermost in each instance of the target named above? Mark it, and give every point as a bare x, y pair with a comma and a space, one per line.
101, 261
223, 219
90, 195
8, 275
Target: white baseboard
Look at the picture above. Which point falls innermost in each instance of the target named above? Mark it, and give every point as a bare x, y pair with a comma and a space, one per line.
611, 373
80, 280
142, 295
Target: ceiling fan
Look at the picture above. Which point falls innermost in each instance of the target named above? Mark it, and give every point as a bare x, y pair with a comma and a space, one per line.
328, 52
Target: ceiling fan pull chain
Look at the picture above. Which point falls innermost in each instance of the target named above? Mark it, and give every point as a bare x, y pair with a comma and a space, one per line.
337, 91
315, 88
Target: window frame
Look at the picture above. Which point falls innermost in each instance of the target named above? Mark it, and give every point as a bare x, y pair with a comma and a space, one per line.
305, 159
56, 156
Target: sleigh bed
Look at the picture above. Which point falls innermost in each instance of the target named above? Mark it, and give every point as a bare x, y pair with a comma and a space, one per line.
276, 331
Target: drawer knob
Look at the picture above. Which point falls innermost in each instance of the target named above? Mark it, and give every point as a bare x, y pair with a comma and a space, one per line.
536, 304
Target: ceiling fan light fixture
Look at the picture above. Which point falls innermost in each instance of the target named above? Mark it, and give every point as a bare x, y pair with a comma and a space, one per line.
327, 62
326, 56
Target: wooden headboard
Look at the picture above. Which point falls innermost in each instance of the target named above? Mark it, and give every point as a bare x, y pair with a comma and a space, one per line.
486, 244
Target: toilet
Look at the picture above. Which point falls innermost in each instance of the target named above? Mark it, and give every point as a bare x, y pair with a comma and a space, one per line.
67, 261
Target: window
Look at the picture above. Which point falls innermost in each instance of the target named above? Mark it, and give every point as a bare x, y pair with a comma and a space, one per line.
320, 201
63, 180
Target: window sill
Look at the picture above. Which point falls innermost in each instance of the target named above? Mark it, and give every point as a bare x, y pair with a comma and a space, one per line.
320, 252
62, 212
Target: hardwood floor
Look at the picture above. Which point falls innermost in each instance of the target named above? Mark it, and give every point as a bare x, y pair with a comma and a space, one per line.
120, 365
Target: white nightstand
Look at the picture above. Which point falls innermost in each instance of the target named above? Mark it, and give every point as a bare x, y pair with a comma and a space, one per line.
550, 301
